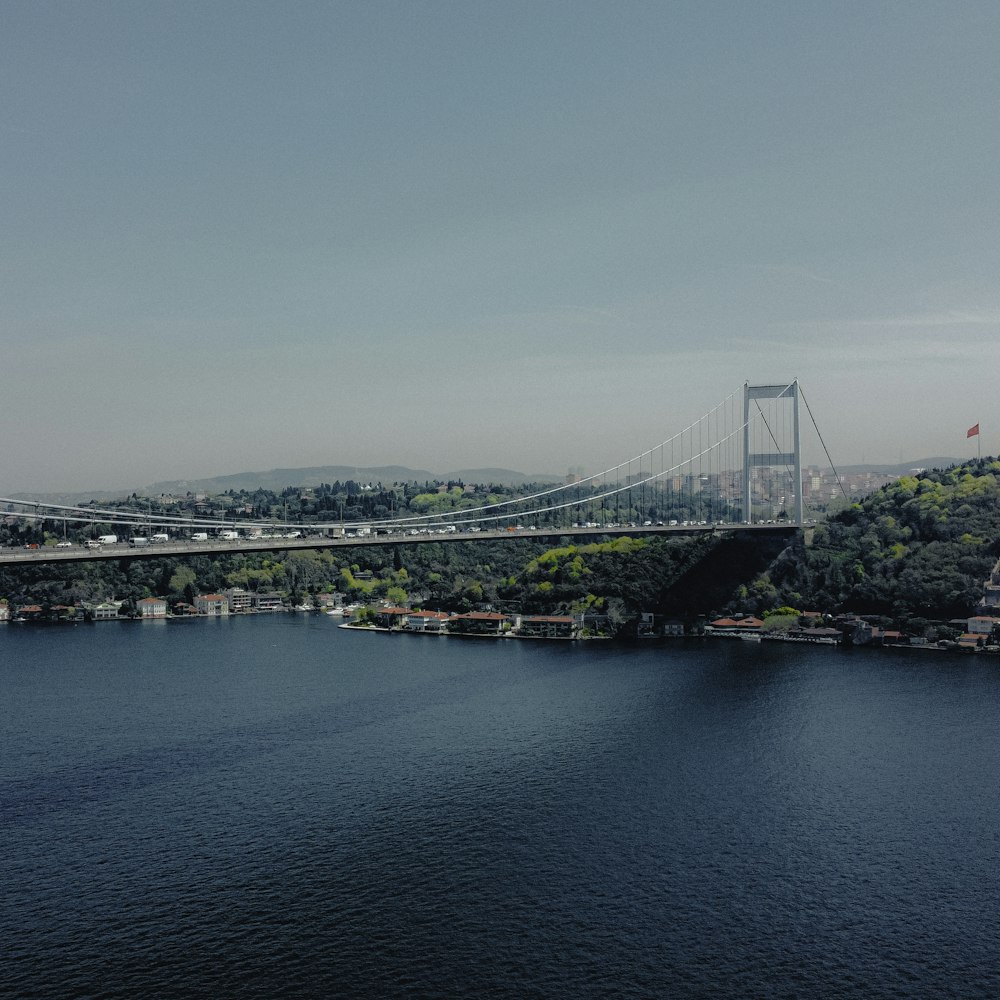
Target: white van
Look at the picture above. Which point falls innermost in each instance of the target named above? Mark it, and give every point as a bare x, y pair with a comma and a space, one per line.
200, 536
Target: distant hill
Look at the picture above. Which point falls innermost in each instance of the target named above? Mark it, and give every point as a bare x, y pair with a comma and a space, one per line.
278, 479
73, 499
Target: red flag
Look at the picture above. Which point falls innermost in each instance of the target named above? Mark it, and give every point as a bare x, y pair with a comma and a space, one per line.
972, 431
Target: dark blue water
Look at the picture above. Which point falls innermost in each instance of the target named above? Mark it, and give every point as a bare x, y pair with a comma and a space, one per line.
272, 807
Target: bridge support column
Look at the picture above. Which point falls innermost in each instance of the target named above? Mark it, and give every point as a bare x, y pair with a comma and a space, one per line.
752, 459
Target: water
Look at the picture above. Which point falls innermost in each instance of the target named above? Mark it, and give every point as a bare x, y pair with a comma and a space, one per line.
272, 807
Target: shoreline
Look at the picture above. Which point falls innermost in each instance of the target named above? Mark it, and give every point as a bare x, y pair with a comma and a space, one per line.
468, 635
645, 640
744, 637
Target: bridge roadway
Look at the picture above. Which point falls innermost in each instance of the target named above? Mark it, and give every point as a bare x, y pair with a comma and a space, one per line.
219, 546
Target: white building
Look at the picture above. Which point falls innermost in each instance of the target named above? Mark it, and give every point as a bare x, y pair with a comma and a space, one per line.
152, 607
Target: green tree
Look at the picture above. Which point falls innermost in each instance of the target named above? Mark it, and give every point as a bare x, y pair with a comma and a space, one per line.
182, 578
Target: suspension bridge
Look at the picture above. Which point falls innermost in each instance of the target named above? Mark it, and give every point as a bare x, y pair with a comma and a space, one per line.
736, 468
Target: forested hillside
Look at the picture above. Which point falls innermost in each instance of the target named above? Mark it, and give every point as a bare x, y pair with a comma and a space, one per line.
919, 548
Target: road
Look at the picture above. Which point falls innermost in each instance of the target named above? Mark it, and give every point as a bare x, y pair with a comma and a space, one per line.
218, 546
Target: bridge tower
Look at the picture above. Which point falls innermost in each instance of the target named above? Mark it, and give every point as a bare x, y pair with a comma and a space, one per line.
780, 456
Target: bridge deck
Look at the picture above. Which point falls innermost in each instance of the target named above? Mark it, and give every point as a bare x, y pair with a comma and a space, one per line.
180, 548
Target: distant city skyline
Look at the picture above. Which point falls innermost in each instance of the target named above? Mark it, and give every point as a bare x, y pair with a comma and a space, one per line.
241, 236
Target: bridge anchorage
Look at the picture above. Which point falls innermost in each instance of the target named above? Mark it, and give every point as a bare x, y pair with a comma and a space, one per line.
738, 467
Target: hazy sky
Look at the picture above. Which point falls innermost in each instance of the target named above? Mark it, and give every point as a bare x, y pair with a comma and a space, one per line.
536, 235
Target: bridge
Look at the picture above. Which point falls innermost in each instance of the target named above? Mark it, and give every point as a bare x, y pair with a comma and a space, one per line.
216, 546
735, 469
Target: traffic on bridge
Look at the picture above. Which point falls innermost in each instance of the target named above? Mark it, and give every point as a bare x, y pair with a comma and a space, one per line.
122, 549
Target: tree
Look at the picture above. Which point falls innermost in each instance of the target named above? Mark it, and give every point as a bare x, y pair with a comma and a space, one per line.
182, 578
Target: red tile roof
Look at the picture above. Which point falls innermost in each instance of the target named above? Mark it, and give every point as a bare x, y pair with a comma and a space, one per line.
748, 622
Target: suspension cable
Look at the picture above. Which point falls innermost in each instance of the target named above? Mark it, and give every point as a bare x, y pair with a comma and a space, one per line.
826, 450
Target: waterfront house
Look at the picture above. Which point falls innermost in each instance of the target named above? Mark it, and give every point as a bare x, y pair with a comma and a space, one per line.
426, 621
645, 626
596, 623
855, 630
4, 611
391, 617
152, 607
991, 590
816, 634
214, 605
239, 600
479, 623
653, 626
267, 602
104, 611
982, 624
735, 625
548, 626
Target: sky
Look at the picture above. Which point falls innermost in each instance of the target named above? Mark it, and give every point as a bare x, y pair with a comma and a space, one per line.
533, 235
